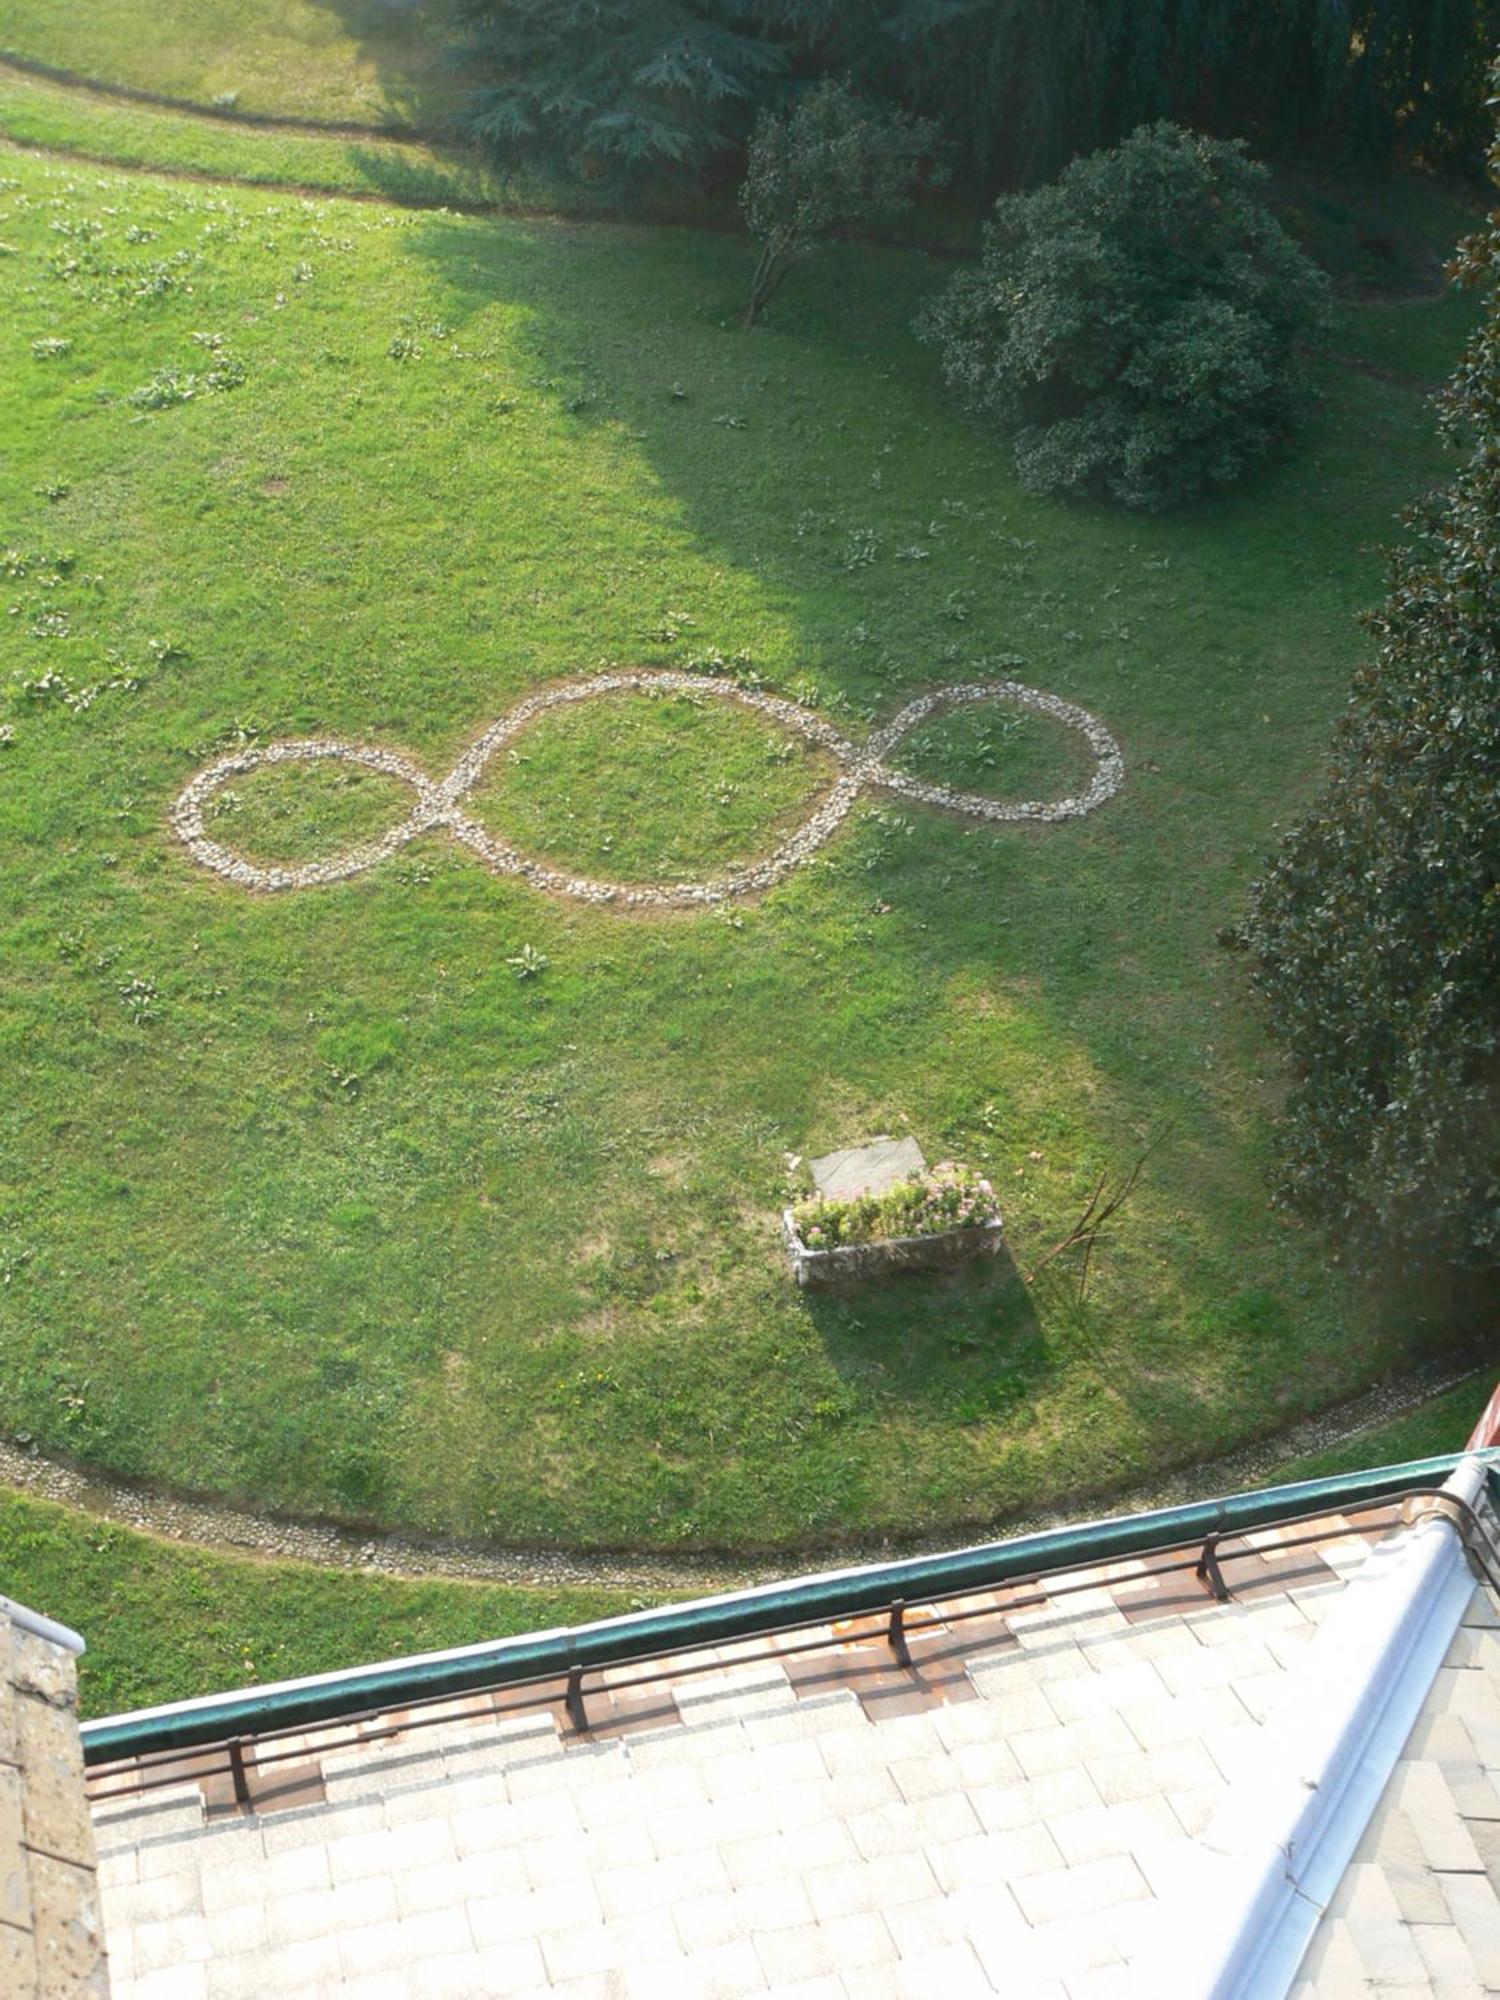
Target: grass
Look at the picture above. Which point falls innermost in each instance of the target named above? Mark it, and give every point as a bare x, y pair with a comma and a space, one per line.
37, 113
1440, 1425
703, 784
368, 62
1002, 753
165, 1623
305, 812
325, 1200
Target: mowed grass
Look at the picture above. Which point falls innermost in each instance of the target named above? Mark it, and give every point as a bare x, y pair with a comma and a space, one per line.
304, 812
164, 1623
368, 62
651, 787
332, 1200
38, 114
998, 750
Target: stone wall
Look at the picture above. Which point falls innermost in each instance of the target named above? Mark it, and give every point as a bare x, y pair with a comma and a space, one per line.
51, 1935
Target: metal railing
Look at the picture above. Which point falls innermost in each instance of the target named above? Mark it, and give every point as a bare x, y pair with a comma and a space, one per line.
120, 1769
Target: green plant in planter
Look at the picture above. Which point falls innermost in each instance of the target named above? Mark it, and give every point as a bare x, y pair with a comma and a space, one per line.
927, 1204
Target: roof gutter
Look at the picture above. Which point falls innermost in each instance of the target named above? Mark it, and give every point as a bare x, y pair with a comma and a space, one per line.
744, 1614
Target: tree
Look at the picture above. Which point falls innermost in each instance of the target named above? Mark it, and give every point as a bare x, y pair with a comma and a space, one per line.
1028, 85
1374, 934
621, 86
672, 87
831, 162
1136, 328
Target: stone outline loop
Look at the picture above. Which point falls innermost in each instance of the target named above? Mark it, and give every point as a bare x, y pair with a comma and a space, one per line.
437, 804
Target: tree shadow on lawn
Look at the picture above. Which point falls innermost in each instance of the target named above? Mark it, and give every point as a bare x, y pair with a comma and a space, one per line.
406, 42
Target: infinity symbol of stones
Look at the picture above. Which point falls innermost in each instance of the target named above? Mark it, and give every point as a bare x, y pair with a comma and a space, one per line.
438, 804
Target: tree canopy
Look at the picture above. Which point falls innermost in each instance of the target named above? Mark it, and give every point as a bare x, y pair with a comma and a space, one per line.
1136, 328
829, 162
1375, 932
602, 85
1021, 86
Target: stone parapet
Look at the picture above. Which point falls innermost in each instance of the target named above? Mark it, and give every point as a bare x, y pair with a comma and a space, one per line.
51, 1933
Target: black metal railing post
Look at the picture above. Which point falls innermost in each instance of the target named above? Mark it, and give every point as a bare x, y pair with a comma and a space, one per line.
578, 1715
896, 1633
237, 1774
1208, 1571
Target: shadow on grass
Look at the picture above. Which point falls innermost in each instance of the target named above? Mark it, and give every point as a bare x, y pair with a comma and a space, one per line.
407, 42
982, 1344
969, 1339
1068, 972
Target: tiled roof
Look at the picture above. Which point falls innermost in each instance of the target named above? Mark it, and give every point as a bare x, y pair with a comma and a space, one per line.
1418, 1913
1002, 1815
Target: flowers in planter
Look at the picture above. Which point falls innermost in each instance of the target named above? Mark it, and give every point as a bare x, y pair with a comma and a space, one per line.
928, 1204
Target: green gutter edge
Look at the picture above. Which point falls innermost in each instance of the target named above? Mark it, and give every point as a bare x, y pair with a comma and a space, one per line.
747, 1614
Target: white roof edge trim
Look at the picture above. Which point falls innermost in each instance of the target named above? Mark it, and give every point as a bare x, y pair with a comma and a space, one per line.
40, 1627
1276, 1850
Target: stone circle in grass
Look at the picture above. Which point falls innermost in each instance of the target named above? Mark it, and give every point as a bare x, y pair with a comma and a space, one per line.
668, 789
999, 751
438, 804
293, 814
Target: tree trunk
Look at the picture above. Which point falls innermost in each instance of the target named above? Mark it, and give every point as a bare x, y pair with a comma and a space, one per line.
769, 273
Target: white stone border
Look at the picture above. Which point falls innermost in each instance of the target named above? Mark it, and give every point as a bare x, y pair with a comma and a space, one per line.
437, 805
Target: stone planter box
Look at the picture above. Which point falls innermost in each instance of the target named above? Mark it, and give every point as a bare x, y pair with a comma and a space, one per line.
851, 1262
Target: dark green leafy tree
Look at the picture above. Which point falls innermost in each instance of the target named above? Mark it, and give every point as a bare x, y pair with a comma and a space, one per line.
1136, 328
831, 162
1021, 86
1374, 935
1025, 86
616, 86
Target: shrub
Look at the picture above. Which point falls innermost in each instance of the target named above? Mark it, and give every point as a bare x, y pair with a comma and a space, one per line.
1136, 327
945, 1197
832, 162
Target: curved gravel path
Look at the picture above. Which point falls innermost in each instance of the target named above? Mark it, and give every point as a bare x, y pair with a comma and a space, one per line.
210, 1525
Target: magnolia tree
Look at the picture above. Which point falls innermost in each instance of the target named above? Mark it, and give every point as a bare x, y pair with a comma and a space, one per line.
1374, 934
830, 163
1136, 329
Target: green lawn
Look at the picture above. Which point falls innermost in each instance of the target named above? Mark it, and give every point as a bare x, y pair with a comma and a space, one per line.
704, 785
37, 113
166, 1624
367, 62
428, 1198
1439, 1425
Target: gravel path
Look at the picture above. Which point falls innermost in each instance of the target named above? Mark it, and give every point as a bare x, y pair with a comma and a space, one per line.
209, 1525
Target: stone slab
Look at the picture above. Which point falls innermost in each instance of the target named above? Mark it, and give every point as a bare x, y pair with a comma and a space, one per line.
867, 1169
